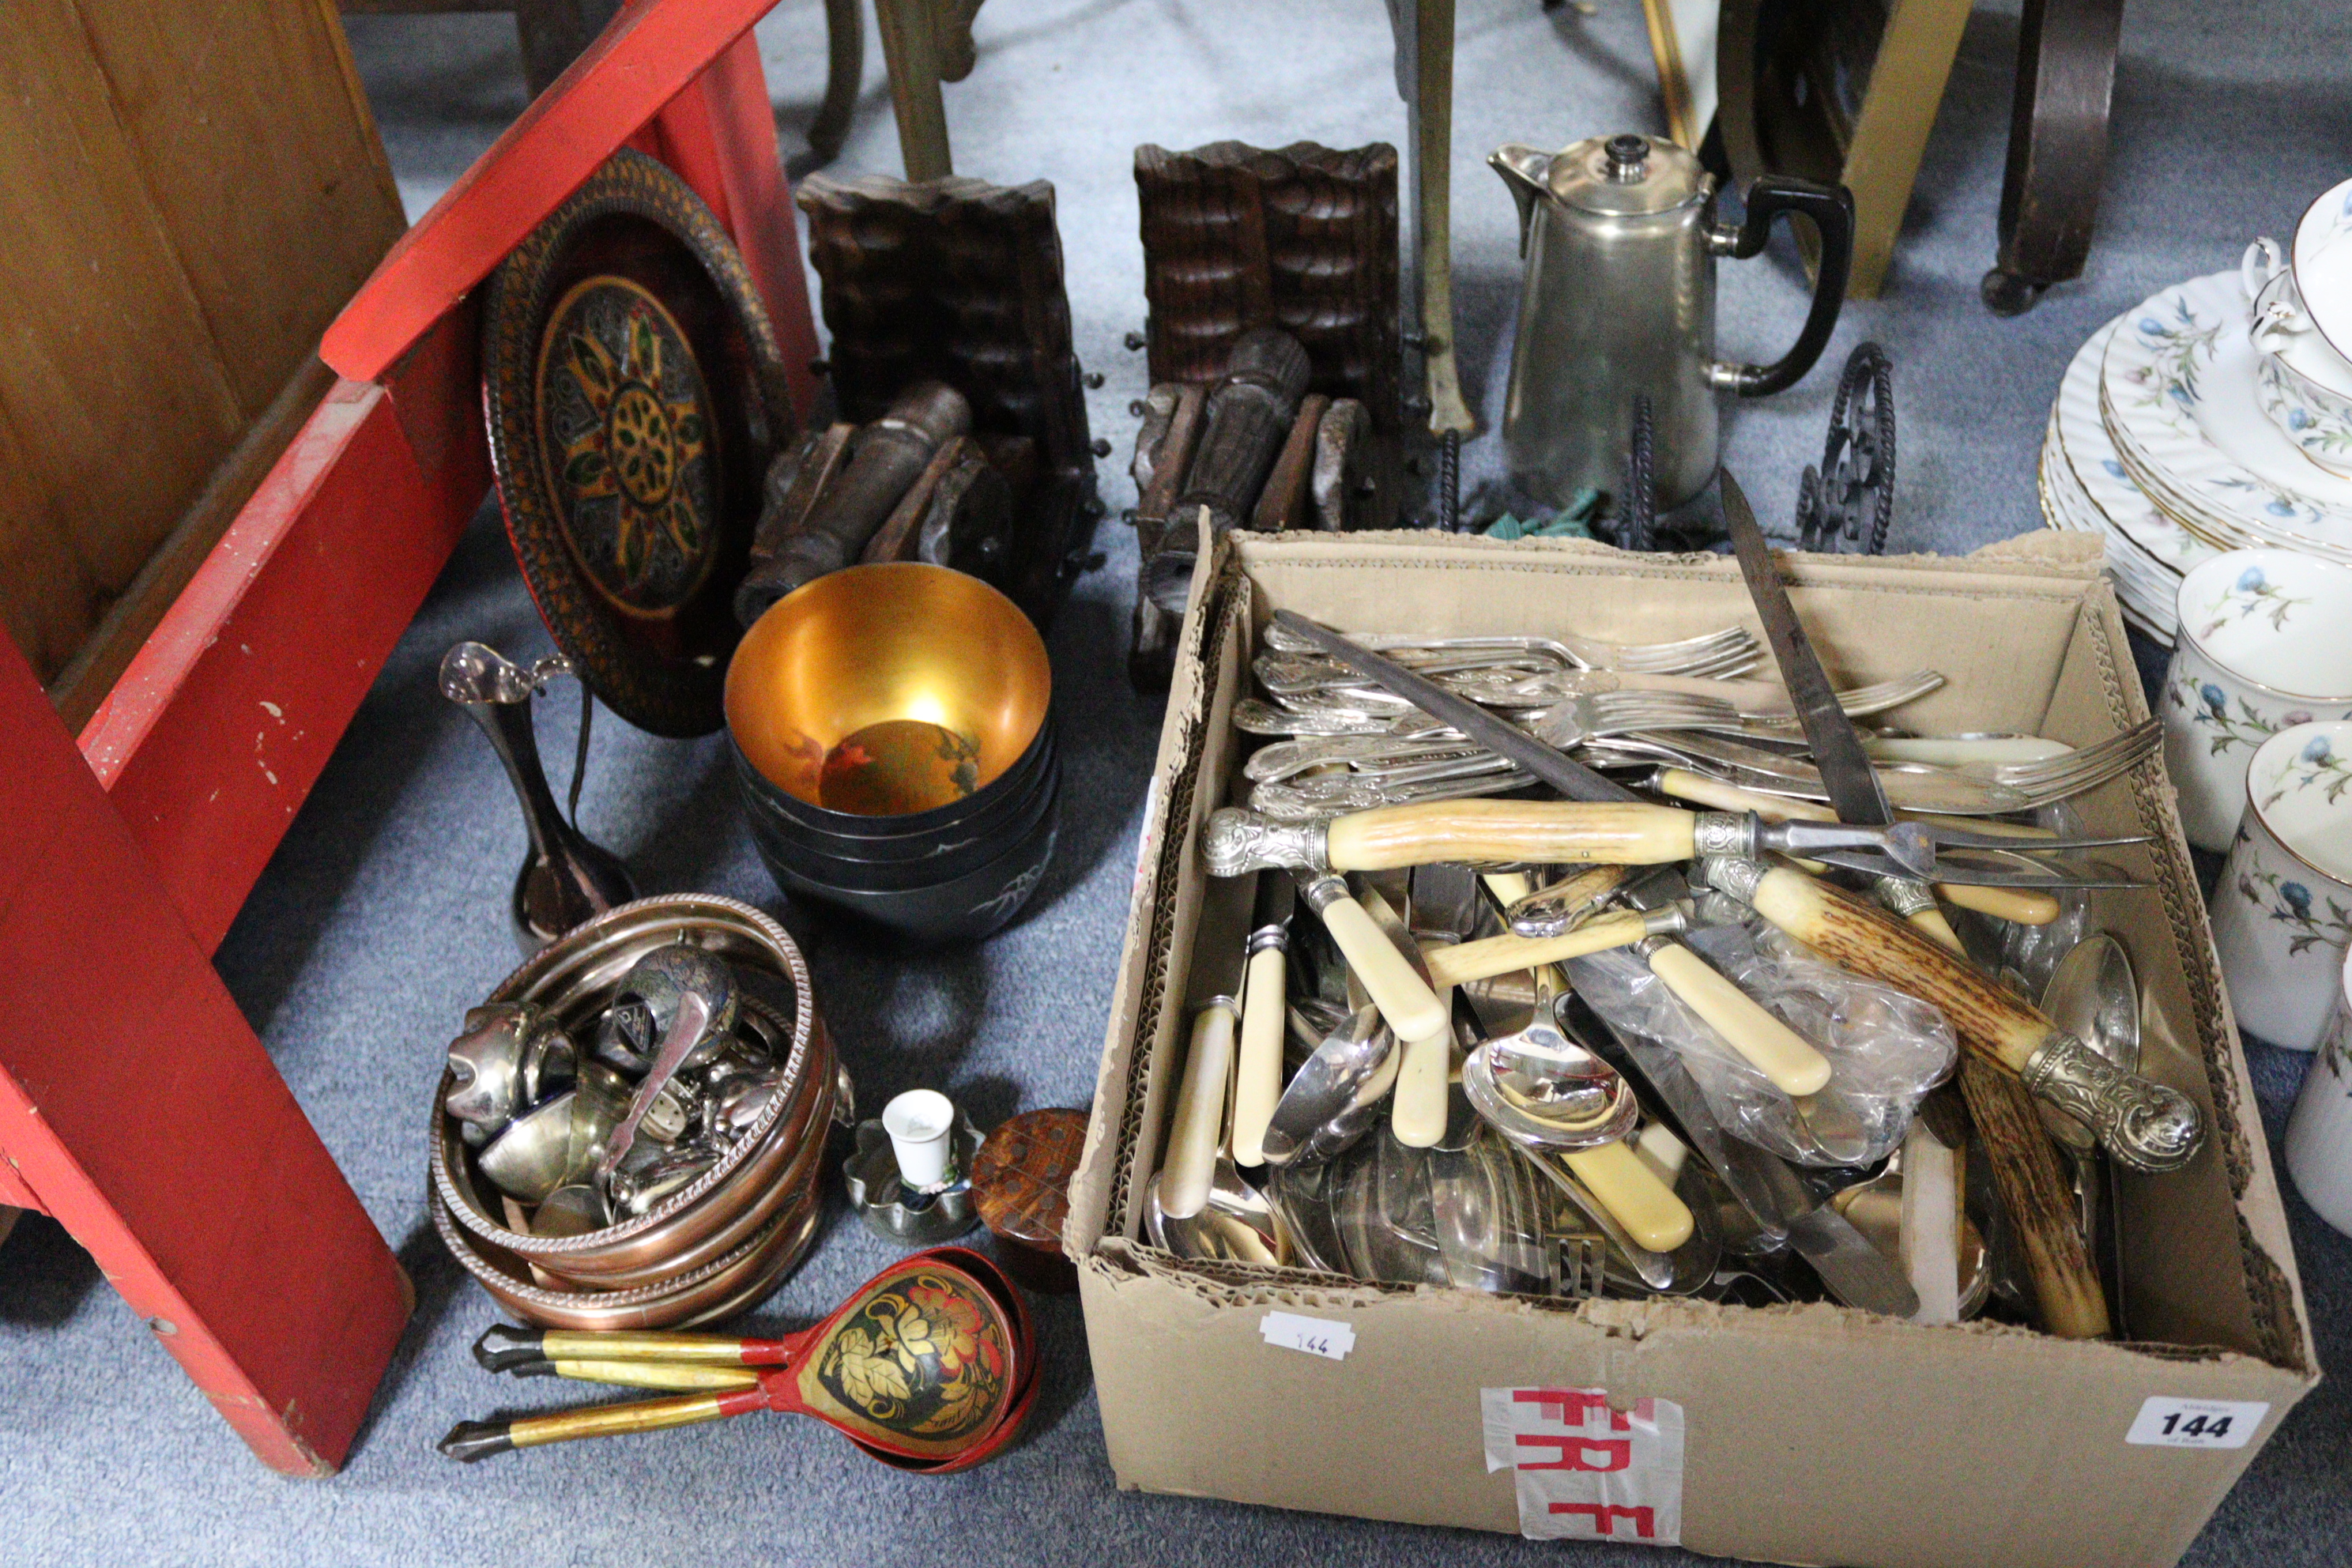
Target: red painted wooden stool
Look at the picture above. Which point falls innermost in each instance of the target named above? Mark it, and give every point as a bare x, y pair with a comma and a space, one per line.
221, 1218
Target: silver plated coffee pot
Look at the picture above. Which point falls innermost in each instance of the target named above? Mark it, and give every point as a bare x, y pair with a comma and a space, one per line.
1619, 240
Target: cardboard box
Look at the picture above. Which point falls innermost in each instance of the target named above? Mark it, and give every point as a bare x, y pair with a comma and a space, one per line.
1810, 1434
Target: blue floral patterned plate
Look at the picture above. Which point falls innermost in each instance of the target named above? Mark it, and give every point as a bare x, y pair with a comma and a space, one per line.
2179, 392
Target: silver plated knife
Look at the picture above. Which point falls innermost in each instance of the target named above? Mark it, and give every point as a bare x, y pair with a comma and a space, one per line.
1783, 1207
1836, 745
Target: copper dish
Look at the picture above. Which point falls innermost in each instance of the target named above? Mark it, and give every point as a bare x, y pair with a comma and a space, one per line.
718, 1290
726, 1237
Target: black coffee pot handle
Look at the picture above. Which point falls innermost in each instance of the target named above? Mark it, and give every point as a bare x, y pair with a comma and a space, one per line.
1830, 207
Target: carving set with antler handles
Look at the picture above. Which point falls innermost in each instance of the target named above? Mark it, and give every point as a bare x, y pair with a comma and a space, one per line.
1397, 1072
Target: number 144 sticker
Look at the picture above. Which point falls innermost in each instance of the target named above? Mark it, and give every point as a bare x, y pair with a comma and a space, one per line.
2166, 1422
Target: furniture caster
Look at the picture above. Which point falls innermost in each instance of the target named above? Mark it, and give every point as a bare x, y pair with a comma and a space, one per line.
2008, 293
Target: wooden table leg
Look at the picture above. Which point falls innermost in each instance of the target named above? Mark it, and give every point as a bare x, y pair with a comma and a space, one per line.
139, 1109
1433, 161
2057, 147
1890, 135
554, 32
910, 50
1773, 119
845, 71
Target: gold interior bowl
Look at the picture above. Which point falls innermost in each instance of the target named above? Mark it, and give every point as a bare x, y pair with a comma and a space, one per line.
888, 691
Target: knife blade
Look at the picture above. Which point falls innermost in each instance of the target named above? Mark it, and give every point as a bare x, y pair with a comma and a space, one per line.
1836, 745
1782, 1207
1212, 998
1847, 775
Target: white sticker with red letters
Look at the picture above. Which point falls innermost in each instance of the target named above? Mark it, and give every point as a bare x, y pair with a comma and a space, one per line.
1585, 1472
2167, 1423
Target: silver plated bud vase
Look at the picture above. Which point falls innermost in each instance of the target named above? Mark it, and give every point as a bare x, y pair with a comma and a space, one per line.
564, 878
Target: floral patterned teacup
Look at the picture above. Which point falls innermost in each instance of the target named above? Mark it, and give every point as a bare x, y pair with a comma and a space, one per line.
2282, 908
2266, 643
2319, 1133
2303, 383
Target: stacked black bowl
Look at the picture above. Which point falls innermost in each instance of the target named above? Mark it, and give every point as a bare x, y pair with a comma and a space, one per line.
894, 752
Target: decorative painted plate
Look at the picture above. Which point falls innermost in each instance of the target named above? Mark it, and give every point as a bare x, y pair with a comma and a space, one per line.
2178, 383
634, 393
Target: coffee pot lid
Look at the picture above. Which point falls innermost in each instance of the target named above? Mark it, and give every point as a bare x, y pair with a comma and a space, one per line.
1627, 175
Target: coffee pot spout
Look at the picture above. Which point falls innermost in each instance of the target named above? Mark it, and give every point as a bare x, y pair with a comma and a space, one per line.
1527, 171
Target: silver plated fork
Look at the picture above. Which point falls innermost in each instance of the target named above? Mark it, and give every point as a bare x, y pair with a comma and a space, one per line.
1582, 719
1978, 790
1731, 651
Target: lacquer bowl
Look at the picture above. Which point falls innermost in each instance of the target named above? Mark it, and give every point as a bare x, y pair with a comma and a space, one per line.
986, 814
962, 910
887, 699
892, 751
954, 854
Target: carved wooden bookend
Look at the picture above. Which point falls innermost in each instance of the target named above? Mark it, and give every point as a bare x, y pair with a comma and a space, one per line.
1283, 503
960, 280
1316, 481
842, 514
1303, 239
1163, 451
958, 514
1341, 482
1244, 426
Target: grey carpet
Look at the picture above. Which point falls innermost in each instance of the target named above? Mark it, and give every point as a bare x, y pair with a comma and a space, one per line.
380, 920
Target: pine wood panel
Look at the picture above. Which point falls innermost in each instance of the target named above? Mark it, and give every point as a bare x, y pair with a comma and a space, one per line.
262, 160
111, 385
48, 602
189, 191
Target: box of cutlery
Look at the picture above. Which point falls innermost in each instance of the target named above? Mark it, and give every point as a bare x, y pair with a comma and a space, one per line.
1252, 1345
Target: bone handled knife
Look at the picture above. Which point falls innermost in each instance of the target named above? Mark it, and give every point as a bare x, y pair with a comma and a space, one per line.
1635, 833
1403, 998
1258, 1065
1417, 1108
1776, 1050
1494, 955
1854, 1271
1211, 993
